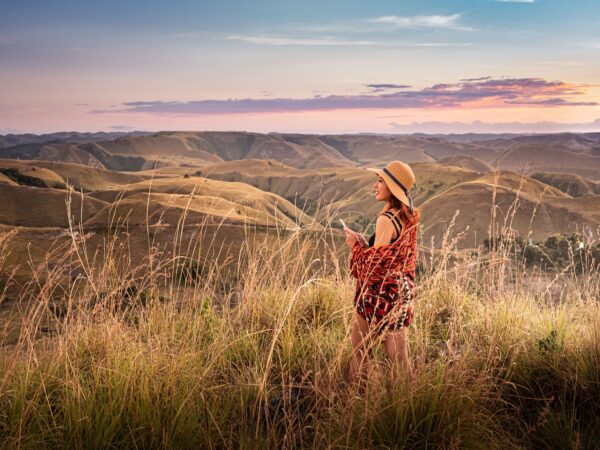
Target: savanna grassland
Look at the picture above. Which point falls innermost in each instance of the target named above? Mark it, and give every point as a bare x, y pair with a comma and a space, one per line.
206, 301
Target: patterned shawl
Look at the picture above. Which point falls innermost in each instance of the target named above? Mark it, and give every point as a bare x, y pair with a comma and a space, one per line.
385, 263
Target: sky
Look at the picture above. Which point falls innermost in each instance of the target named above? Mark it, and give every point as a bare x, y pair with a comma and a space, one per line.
326, 66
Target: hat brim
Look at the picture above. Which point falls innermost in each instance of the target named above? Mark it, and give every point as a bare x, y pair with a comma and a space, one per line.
396, 190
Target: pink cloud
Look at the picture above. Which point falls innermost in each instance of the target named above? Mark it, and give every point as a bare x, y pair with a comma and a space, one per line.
469, 93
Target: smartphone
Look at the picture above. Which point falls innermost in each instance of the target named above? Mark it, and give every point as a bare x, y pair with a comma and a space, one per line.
343, 223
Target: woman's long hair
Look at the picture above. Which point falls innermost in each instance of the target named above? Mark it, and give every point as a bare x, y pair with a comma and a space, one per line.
404, 211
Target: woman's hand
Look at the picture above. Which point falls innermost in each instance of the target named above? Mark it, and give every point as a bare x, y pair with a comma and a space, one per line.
352, 237
362, 240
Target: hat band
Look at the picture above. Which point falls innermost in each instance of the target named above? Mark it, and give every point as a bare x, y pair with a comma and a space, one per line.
395, 180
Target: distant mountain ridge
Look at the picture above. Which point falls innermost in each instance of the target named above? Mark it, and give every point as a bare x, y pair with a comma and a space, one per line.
77, 137
577, 153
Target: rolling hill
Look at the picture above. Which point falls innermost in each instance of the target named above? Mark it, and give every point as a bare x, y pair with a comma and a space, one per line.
80, 176
467, 162
540, 158
570, 183
541, 210
199, 198
43, 207
282, 180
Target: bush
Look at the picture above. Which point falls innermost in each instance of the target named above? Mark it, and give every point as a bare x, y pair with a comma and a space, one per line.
22, 179
26, 180
555, 252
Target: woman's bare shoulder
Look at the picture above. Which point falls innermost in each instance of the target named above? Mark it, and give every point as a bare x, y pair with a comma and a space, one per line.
383, 219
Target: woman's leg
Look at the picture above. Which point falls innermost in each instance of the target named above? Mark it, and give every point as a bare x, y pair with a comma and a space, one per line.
396, 347
361, 348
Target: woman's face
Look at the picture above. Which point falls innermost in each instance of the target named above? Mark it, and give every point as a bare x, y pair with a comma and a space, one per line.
382, 192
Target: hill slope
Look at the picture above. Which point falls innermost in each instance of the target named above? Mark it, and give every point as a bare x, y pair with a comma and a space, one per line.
541, 210
43, 207
570, 183
200, 197
80, 176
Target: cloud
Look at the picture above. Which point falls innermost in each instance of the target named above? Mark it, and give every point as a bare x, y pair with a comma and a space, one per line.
384, 86
385, 23
486, 93
436, 21
348, 26
282, 40
320, 41
551, 102
336, 33
476, 79
493, 127
120, 127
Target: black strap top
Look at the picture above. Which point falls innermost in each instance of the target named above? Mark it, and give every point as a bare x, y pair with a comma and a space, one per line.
397, 226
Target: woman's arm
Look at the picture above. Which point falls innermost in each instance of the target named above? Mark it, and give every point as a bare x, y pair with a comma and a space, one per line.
384, 231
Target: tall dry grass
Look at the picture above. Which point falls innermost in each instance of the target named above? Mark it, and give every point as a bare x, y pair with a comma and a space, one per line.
190, 348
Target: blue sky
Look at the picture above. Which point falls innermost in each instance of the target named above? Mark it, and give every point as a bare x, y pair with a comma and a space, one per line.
298, 66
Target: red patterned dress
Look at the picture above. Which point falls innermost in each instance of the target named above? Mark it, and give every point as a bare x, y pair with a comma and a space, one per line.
385, 280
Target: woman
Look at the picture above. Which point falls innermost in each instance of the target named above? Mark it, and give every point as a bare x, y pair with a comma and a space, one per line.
384, 268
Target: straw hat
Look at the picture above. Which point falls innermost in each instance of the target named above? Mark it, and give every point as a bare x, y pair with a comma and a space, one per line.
400, 179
